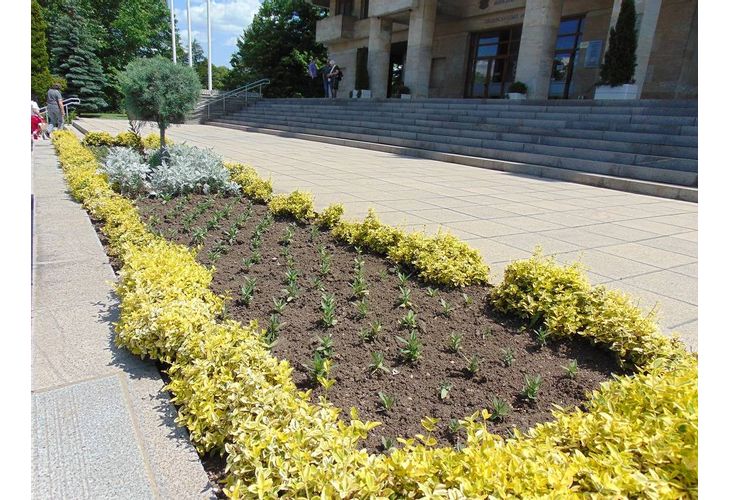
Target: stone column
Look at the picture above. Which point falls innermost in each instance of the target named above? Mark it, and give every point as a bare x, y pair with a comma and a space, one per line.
379, 55
647, 30
417, 70
537, 45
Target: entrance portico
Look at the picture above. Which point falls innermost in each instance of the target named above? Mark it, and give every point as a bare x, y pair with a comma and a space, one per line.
478, 48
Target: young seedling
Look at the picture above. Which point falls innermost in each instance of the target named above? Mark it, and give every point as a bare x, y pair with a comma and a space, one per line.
402, 278
467, 299
359, 287
377, 365
247, 290
444, 389
542, 335
455, 342
321, 367
362, 308
446, 308
383, 275
325, 346
291, 291
455, 426
279, 305
291, 276
431, 292
388, 443
571, 370
288, 236
272, 331
325, 262
412, 349
486, 333
410, 320
472, 365
405, 298
314, 233
386, 402
230, 235
500, 409
317, 283
372, 331
359, 262
508, 356
328, 310
531, 387
198, 235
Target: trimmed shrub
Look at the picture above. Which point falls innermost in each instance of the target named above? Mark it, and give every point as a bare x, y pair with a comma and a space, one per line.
99, 139
297, 204
331, 215
252, 185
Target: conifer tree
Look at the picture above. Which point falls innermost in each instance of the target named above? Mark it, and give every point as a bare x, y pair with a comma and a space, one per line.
620, 59
74, 57
40, 74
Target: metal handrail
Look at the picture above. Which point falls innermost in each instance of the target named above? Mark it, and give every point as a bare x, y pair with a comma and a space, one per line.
71, 101
245, 90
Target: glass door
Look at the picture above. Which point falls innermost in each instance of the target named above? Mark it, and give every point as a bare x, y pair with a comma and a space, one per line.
566, 49
493, 58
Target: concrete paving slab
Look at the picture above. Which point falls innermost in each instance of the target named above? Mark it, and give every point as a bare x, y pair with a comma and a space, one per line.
666, 282
641, 252
612, 266
85, 444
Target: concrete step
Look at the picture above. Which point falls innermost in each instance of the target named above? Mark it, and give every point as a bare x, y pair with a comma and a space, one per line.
548, 113
568, 121
674, 146
567, 150
664, 190
656, 171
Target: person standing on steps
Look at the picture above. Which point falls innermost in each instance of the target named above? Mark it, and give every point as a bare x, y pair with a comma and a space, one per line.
335, 75
54, 106
326, 80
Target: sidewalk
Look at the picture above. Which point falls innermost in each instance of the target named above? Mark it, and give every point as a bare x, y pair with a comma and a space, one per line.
642, 245
101, 425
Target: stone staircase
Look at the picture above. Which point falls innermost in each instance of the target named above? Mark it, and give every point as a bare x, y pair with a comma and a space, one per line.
645, 146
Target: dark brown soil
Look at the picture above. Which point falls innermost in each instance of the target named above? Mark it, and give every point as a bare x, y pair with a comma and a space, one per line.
414, 386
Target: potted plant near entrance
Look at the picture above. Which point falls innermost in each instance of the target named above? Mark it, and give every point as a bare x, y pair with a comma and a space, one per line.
617, 70
517, 90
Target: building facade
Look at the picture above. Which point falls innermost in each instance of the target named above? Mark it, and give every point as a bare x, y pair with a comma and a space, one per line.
477, 48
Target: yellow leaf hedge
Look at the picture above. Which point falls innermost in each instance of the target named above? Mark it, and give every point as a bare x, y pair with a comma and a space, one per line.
638, 437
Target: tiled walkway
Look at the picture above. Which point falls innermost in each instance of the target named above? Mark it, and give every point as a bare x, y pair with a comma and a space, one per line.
643, 245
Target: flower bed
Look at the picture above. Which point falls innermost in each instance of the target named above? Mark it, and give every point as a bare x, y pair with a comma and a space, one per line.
636, 436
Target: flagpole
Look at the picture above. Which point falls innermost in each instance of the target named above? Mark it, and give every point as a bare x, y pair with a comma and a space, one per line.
210, 54
172, 28
190, 39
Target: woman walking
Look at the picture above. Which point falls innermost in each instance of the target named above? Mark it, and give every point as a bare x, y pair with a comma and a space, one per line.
54, 103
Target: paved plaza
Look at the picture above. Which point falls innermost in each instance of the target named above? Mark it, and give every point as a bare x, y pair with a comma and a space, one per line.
643, 245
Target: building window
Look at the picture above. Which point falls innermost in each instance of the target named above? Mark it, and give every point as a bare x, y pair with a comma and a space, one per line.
493, 62
343, 7
566, 50
364, 6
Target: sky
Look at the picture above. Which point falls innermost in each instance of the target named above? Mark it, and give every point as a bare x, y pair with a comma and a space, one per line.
228, 20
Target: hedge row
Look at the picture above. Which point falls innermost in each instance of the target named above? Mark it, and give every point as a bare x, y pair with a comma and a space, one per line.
638, 436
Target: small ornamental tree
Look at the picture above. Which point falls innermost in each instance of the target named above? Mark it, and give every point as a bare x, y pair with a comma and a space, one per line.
620, 59
157, 90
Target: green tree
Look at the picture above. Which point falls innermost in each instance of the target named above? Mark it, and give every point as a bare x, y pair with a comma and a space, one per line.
200, 63
157, 90
40, 73
74, 56
620, 59
278, 45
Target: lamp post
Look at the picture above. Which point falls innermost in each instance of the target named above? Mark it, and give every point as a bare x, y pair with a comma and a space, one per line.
172, 29
210, 54
190, 39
